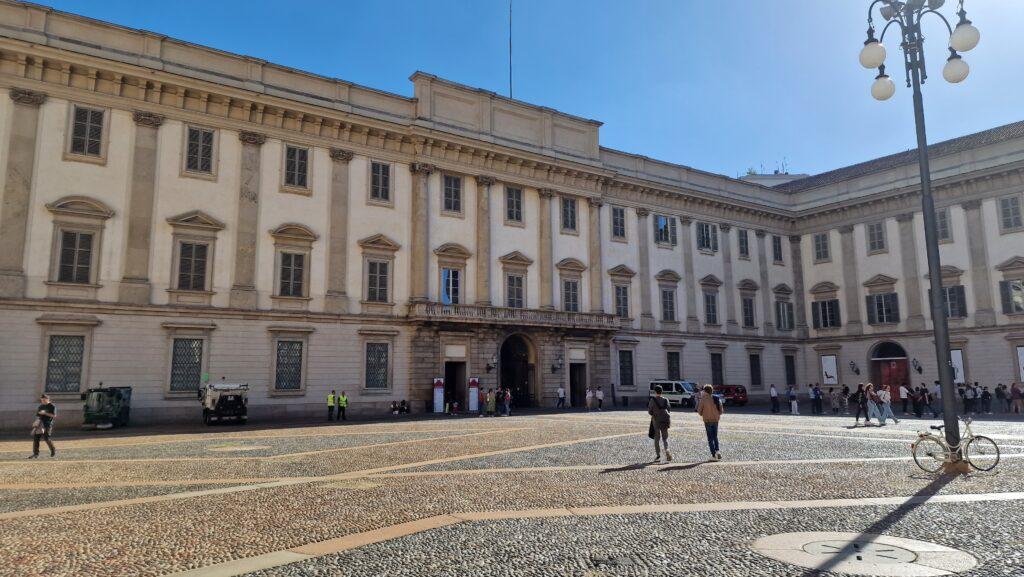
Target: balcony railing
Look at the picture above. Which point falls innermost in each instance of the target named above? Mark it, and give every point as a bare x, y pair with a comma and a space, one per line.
501, 315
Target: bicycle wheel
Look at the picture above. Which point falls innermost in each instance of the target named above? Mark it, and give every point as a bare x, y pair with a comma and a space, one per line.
982, 453
929, 454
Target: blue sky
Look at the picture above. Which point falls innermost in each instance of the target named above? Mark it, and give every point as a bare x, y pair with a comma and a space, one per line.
718, 85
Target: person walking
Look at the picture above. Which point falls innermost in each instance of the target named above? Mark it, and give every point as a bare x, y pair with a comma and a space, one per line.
330, 405
481, 401
599, 395
860, 400
43, 426
1016, 399
342, 405
904, 393
819, 399
874, 403
508, 402
1000, 394
970, 399
773, 394
833, 400
490, 402
590, 399
561, 397
661, 420
794, 404
844, 399
917, 400
885, 397
929, 401
710, 410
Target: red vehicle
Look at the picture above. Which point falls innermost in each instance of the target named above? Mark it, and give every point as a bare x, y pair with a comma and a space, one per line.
735, 395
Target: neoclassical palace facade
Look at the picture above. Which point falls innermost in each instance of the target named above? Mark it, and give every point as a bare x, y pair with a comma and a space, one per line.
172, 215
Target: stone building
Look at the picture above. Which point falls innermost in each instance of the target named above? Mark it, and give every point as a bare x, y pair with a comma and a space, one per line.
173, 214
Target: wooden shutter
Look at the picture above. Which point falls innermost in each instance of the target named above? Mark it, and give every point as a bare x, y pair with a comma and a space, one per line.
872, 316
672, 230
816, 314
1006, 294
834, 305
894, 300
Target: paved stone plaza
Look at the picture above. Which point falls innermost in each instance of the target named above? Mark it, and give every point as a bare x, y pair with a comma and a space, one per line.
548, 494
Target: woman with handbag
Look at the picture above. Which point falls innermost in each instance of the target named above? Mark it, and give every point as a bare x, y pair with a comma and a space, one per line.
658, 409
42, 426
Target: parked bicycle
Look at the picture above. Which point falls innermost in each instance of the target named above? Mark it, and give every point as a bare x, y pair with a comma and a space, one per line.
931, 451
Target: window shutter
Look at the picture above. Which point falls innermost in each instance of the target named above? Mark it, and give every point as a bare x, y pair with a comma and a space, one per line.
961, 310
672, 230
1005, 294
714, 237
872, 316
895, 302
835, 309
816, 314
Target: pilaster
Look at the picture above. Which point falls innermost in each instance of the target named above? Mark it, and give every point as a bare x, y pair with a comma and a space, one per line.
689, 280
911, 272
851, 287
243, 288
799, 295
419, 252
483, 240
546, 265
595, 259
135, 285
766, 293
731, 326
336, 299
643, 233
21, 158
981, 275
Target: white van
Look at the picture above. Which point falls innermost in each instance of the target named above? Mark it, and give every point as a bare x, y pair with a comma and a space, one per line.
679, 393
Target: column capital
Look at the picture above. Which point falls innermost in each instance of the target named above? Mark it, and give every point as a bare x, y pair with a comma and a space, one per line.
27, 97
341, 155
595, 202
484, 180
794, 238
905, 217
151, 119
974, 204
642, 212
759, 233
724, 227
247, 137
685, 220
421, 168
546, 192
847, 229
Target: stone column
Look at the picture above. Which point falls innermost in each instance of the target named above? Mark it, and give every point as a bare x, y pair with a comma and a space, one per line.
911, 273
594, 257
731, 326
546, 266
981, 274
483, 240
799, 295
689, 281
336, 300
243, 288
419, 253
766, 291
21, 159
851, 286
644, 234
135, 287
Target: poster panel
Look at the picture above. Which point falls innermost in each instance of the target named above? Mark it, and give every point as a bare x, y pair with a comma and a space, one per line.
438, 394
1020, 362
474, 395
956, 360
829, 370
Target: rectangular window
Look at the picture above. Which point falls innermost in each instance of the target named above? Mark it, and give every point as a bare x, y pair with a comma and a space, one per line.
87, 131
293, 270
1012, 294
380, 181
876, 237
1010, 213
186, 364
452, 193
748, 312
668, 305
710, 308
790, 362
192, 266
755, 372
75, 257
942, 226
626, 370
776, 248
622, 301
514, 204
288, 368
674, 372
377, 365
717, 370
199, 150
707, 236
825, 314
377, 281
296, 166
64, 363
822, 250
514, 291
451, 286
665, 229
618, 222
743, 238
784, 315
883, 309
569, 214
571, 296
954, 302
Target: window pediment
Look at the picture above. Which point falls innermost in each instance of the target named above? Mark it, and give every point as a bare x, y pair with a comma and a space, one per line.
1013, 266
782, 289
294, 232
822, 288
516, 258
710, 281
196, 219
622, 271
379, 242
669, 276
880, 281
747, 285
571, 265
949, 273
452, 251
81, 206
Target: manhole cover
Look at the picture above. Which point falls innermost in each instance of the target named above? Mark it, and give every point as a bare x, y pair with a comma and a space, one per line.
864, 554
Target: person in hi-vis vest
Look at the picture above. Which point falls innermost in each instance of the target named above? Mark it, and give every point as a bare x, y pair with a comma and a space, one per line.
330, 406
342, 405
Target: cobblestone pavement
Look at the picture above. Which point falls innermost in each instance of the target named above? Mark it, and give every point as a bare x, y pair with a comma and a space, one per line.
572, 494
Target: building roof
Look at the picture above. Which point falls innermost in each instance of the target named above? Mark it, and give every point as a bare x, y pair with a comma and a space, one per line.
944, 148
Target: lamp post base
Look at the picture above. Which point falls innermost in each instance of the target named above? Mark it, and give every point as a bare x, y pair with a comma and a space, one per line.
956, 468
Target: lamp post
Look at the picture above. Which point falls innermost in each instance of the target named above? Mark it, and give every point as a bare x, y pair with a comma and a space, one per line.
906, 15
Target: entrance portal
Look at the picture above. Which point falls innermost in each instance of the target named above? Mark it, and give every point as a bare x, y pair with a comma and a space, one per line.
455, 384
577, 384
889, 366
517, 369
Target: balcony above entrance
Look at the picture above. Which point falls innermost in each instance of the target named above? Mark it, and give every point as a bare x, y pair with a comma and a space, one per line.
522, 317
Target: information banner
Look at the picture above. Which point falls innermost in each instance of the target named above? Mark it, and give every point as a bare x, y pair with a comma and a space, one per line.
829, 370
1020, 362
438, 394
956, 360
474, 395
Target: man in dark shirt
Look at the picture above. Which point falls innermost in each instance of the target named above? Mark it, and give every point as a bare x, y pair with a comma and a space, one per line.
44, 413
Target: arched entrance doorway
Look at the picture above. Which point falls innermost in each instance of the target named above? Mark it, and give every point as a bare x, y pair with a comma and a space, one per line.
517, 369
889, 365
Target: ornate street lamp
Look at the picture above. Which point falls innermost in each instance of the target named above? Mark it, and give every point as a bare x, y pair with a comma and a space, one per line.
906, 15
